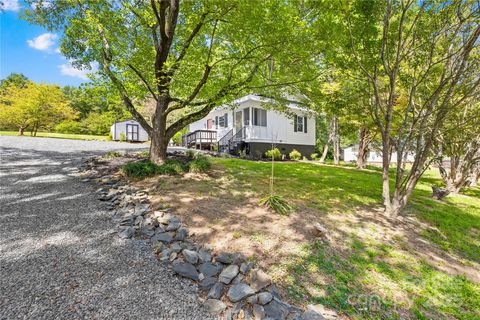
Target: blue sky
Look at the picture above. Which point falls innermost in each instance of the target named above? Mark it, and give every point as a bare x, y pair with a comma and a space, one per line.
32, 50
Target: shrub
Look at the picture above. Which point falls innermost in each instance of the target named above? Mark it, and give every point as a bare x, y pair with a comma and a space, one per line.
190, 153
171, 167
146, 168
295, 155
140, 169
276, 203
69, 126
111, 154
315, 156
199, 164
123, 137
275, 153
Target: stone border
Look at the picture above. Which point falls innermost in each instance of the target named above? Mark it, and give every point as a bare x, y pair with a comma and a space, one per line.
227, 284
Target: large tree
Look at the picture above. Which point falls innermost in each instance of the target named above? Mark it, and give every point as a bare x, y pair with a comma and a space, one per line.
34, 106
187, 56
420, 59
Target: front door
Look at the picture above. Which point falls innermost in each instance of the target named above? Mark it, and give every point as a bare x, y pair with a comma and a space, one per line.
132, 132
238, 121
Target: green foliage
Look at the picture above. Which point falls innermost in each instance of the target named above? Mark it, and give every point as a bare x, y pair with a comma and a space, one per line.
199, 164
190, 153
146, 168
295, 155
69, 126
273, 153
276, 203
112, 154
123, 137
34, 106
315, 156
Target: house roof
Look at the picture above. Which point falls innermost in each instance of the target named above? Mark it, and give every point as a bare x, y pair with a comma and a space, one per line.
253, 97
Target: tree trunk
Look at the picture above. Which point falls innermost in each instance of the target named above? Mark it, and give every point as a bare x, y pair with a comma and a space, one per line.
336, 140
363, 143
159, 138
325, 151
21, 131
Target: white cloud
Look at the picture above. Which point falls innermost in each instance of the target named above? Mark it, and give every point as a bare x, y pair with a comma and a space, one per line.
9, 5
43, 4
43, 42
68, 70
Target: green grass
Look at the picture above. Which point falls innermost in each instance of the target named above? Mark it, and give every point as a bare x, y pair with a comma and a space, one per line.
57, 135
368, 277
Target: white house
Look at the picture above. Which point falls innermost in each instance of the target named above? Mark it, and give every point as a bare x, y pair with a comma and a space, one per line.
247, 125
350, 154
129, 130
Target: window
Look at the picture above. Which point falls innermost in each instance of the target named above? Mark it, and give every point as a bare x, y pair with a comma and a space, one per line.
223, 121
300, 124
246, 116
259, 117
216, 122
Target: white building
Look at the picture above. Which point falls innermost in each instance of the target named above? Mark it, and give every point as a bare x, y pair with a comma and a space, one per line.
247, 124
129, 130
350, 154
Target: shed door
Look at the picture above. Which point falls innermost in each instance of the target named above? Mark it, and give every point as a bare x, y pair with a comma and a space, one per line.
132, 132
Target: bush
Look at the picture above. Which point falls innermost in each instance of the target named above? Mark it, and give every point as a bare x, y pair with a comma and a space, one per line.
111, 154
140, 169
276, 203
315, 156
199, 164
275, 153
69, 126
146, 168
123, 137
295, 155
190, 153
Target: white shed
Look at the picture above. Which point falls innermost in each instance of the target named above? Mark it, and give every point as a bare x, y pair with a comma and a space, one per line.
129, 130
374, 156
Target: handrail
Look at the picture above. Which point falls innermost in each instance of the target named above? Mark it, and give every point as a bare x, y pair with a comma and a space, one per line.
201, 136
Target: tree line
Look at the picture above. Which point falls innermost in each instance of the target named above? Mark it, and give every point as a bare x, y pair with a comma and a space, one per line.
28, 106
402, 73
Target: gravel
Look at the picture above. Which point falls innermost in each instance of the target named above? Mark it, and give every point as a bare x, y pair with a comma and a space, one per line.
60, 256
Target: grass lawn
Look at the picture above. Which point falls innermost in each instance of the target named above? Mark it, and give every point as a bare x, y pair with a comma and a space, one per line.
424, 266
57, 135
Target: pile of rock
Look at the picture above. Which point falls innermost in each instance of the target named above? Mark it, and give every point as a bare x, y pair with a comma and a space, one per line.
227, 284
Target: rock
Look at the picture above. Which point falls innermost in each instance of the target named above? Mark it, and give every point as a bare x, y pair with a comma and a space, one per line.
148, 232
214, 306
239, 291
319, 230
158, 247
204, 256
312, 315
173, 256
201, 276
216, 291
264, 298
126, 233
259, 280
173, 226
138, 221
166, 237
258, 312
190, 256
182, 233
319, 312
276, 309
239, 258
274, 291
160, 229
239, 278
253, 299
207, 283
439, 193
175, 247
226, 258
246, 267
186, 270
228, 274
209, 269
165, 255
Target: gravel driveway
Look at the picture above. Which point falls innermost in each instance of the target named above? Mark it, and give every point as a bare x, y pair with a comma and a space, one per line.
60, 257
